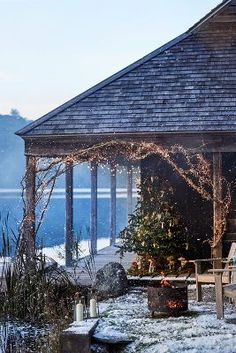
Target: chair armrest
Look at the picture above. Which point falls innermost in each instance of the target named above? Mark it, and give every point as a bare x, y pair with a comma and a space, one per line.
221, 270
210, 259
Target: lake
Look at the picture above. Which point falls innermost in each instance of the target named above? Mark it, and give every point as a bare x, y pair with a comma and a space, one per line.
51, 232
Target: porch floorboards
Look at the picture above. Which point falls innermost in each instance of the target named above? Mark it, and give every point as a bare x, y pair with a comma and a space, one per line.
103, 257
109, 254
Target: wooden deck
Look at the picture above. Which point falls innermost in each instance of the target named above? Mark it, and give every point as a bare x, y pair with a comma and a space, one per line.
109, 254
103, 257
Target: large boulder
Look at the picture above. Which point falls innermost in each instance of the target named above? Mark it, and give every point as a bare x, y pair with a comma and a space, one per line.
111, 280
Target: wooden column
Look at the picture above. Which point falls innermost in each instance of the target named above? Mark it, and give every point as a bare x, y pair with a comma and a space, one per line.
217, 219
129, 190
93, 214
217, 195
69, 213
113, 206
28, 237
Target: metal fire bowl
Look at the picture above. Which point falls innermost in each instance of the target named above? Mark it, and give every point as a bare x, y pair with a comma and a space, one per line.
168, 300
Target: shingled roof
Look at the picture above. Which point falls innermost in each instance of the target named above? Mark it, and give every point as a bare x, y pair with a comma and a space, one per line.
187, 85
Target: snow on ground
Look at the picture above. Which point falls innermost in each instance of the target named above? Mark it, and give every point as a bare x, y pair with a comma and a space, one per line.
57, 252
197, 332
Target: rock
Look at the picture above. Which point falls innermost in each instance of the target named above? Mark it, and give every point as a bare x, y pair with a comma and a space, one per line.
111, 280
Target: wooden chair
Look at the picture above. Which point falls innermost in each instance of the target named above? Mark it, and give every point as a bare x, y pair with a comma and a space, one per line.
228, 290
209, 277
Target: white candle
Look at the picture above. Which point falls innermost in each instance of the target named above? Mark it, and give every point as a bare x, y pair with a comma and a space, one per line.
93, 308
79, 312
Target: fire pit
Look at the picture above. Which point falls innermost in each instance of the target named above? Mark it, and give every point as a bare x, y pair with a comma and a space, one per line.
168, 299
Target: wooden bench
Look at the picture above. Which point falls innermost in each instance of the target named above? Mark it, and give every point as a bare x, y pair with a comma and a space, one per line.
208, 277
77, 338
229, 291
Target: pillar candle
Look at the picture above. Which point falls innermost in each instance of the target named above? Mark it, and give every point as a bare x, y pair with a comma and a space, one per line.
79, 312
93, 308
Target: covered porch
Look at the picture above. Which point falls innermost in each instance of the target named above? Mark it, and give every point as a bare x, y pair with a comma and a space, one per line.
216, 146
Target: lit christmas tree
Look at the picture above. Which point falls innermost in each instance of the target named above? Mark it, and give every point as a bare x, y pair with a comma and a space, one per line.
155, 231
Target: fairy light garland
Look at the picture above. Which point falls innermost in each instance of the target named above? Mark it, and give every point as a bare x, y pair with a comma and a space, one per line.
193, 167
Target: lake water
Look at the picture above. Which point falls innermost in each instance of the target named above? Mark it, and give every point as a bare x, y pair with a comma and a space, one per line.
51, 232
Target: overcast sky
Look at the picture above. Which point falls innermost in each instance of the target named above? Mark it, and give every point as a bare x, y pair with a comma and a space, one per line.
52, 50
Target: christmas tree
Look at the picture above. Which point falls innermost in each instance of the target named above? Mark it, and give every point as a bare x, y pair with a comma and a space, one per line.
155, 230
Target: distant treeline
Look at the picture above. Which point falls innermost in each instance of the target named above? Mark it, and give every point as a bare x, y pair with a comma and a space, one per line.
12, 161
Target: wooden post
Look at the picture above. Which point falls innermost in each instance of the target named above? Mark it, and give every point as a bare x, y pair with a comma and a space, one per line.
217, 219
113, 206
28, 237
217, 208
129, 190
219, 296
198, 270
93, 215
69, 213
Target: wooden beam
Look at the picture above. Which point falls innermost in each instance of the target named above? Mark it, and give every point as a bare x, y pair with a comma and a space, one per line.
65, 145
113, 206
93, 214
69, 213
129, 190
217, 208
28, 236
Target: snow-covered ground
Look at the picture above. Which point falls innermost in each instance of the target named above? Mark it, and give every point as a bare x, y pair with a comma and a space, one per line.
127, 317
57, 252
197, 332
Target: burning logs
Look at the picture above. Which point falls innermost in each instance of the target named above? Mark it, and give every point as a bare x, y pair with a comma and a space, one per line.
168, 298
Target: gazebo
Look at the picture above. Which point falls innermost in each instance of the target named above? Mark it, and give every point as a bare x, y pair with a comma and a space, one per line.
182, 93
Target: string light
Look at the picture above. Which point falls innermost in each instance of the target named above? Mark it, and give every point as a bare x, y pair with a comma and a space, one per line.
190, 164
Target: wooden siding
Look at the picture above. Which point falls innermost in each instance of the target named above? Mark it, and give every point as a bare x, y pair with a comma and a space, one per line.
188, 87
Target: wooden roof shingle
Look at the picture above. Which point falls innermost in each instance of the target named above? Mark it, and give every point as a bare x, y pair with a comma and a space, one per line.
187, 85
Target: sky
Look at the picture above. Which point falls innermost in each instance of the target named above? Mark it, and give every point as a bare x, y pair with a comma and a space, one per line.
52, 50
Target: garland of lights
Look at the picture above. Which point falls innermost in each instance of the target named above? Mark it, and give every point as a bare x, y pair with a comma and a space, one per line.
195, 170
